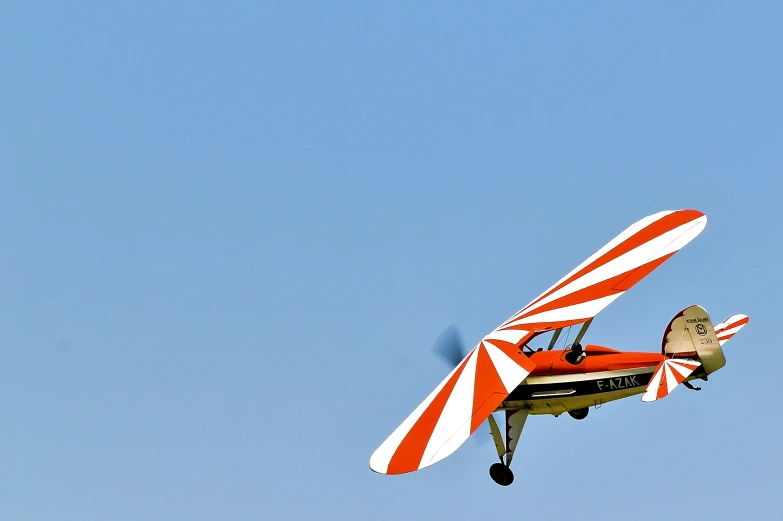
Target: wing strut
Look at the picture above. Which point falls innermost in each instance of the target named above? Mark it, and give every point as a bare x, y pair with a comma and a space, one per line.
582, 331
554, 339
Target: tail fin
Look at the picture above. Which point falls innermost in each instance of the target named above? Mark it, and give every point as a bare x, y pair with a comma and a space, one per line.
726, 330
690, 335
690, 341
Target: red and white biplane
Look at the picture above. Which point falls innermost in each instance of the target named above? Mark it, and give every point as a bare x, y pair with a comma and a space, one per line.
503, 373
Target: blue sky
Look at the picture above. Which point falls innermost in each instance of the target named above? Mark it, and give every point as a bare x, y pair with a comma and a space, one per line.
231, 233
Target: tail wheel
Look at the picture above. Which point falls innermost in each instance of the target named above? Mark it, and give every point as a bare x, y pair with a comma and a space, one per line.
501, 474
579, 414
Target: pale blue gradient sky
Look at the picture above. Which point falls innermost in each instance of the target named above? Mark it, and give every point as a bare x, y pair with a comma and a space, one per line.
232, 231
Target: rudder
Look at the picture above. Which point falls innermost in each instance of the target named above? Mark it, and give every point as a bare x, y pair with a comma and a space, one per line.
691, 334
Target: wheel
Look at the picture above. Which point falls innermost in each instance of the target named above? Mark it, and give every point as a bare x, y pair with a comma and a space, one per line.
579, 414
501, 474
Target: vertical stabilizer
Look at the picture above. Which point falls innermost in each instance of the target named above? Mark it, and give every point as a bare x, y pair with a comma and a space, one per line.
690, 334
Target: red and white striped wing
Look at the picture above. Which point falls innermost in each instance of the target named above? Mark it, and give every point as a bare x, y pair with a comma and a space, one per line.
594, 284
726, 330
669, 374
456, 408
479, 384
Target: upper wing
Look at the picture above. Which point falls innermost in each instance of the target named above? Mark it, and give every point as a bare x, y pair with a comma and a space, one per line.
611, 271
480, 383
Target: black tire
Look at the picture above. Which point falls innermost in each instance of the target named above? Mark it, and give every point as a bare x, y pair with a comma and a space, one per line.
579, 414
501, 474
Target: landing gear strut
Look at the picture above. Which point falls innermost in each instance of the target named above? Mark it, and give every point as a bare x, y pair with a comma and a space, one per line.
501, 474
515, 422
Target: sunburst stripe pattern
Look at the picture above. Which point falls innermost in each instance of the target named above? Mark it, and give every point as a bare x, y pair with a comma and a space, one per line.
477, 386
669, 374
726, 330
443, 422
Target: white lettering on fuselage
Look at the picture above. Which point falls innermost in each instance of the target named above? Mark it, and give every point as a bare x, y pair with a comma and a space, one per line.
613, 384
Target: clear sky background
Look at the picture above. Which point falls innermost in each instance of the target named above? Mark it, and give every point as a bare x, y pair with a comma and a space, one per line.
231, 233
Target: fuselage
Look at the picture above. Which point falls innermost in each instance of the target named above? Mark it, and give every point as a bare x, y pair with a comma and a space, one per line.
556, 386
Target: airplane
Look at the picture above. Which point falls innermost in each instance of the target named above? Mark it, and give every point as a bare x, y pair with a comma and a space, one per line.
502, 373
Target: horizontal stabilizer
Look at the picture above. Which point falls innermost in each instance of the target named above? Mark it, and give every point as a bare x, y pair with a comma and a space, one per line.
726, 330
669, 374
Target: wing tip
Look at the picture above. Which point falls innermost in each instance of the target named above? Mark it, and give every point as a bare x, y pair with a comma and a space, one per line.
697, 217
383, 468
697, 214
375, 467
689, 230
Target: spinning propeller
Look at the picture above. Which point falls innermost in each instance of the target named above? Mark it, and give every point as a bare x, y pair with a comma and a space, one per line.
449, 347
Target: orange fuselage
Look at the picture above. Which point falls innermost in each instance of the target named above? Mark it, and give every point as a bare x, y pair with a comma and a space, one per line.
556, 386
599, 358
